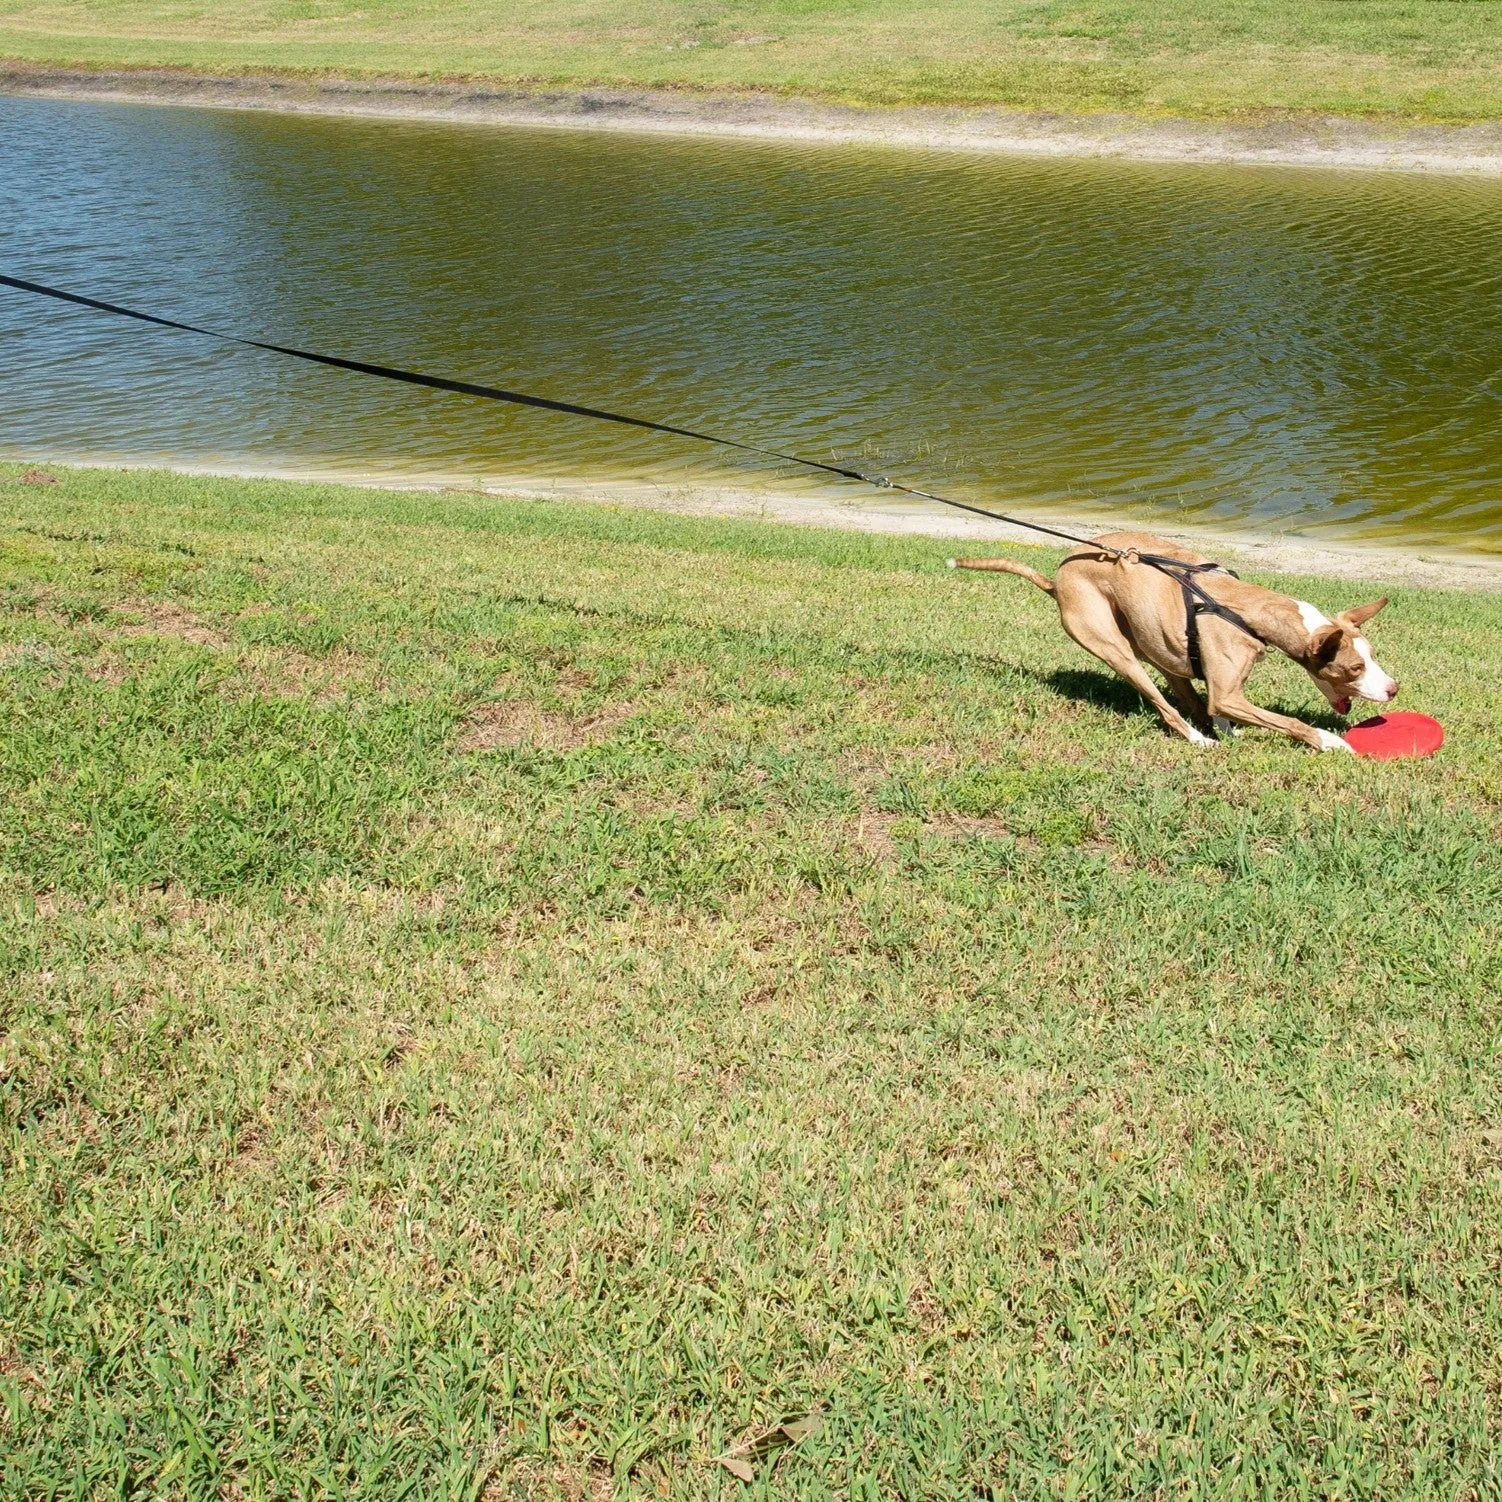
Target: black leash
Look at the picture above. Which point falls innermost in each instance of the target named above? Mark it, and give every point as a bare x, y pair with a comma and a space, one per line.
1195, 598
517, 398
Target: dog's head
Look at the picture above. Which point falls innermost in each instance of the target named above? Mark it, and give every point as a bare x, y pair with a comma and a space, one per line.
1339, 658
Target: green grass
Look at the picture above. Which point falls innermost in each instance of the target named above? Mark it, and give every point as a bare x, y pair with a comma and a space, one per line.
513, 999
1426, 59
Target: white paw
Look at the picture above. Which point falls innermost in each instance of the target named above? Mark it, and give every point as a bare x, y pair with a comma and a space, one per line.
1223, 726
950, 563
1329, 741
1198, 738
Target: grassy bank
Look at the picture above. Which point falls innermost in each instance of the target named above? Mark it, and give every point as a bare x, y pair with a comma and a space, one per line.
516, 998
1409, 58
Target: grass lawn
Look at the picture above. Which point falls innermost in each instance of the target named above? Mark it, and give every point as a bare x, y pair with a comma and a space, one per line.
1431, 59
515, 999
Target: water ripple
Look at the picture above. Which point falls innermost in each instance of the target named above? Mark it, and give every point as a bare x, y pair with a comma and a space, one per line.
1273, 348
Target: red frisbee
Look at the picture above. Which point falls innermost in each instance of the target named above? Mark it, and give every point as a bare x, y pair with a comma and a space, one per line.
1386, 737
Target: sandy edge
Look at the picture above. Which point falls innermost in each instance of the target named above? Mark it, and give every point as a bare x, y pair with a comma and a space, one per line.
1324, 142
1274, 553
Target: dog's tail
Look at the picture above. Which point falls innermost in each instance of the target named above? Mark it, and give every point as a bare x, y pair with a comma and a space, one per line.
1006, 566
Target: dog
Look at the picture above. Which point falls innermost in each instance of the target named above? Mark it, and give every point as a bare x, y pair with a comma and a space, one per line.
1122, 610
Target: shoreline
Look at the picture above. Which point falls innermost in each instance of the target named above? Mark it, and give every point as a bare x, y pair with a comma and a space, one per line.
1324, 142
1274, 553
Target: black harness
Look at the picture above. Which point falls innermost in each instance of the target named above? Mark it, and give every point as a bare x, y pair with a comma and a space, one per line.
1196, 601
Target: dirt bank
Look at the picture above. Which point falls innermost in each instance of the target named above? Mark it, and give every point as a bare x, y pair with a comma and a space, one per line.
1328, 142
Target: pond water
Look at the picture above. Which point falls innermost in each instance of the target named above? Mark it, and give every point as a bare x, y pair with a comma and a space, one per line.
1270, 349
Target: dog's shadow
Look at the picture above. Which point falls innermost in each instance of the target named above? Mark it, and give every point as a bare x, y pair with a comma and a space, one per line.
1102, 690
1107, 691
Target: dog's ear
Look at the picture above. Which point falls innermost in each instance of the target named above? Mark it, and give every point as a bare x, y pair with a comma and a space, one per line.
1324, 644
1358, 615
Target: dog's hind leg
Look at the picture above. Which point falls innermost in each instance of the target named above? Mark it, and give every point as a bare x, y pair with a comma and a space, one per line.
1187, 697
1097, 631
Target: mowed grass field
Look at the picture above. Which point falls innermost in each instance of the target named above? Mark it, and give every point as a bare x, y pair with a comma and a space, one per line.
516, 999
1425, 59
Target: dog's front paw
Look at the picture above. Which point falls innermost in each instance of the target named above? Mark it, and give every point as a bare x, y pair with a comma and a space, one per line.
1199, 738
1329, 741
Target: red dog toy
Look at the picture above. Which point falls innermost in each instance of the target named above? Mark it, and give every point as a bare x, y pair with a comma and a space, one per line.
1387, 737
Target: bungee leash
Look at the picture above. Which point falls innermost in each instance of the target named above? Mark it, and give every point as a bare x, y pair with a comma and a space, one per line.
1196, 600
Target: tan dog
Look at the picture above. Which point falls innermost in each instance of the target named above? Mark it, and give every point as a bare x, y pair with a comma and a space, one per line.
1122, 609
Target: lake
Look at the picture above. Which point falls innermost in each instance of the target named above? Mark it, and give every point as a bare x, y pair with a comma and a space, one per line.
1269, 349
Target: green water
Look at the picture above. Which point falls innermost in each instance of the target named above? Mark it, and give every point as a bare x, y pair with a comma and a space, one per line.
1273, 349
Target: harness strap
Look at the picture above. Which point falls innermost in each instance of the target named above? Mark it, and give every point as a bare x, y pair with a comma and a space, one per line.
1192, 632
1198, 602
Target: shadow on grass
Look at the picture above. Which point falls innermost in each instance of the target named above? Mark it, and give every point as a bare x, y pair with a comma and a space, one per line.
1106, 691
1103, 690
1322, 716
